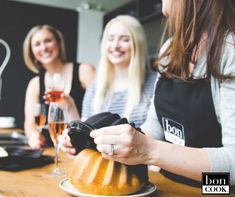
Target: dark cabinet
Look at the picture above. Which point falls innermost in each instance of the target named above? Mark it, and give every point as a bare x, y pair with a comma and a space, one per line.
148, 10
144, 10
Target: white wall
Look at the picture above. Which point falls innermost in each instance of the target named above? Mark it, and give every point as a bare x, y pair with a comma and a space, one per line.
89, 35
106, 5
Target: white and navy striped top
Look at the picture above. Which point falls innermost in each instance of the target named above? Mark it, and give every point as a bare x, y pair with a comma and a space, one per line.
116, 102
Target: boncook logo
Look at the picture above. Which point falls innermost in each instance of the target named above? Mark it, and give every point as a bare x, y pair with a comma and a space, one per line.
215, 183
173, 131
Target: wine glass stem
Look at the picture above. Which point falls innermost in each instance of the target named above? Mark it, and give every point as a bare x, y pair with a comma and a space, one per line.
56, 155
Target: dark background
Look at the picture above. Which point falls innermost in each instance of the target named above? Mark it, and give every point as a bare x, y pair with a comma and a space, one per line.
16, 19
144, 10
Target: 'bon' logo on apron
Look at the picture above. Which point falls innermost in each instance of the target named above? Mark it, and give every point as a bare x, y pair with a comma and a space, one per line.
173, 131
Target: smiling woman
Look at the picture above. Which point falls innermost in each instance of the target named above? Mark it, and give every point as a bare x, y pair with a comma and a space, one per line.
124, 83
45, 54
44, 46
118, 45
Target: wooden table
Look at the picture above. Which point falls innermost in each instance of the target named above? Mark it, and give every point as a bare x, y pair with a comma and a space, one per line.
35, 183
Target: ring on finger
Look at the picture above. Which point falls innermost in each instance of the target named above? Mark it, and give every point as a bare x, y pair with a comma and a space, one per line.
111, 149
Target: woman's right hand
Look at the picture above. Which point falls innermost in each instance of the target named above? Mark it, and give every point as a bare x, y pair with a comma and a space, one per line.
65, 143
66, 104
36, 140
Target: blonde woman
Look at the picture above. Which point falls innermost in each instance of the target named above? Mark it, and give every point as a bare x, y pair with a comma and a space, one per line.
123, 83
45, 54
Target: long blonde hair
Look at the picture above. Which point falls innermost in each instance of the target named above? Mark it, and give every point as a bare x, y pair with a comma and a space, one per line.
136, 70
29, 58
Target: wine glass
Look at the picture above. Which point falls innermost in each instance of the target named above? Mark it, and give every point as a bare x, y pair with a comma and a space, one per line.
40, 115
56, 88
57, 123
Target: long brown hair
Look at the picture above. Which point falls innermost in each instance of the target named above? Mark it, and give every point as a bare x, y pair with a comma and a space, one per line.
188, 22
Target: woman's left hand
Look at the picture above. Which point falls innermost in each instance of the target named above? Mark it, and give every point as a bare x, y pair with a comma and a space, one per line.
65, 143
122, 143
68, 103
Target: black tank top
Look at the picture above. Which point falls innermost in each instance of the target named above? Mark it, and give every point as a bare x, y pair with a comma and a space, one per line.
77, 93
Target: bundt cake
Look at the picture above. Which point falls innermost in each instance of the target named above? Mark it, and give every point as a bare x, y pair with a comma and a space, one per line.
91, 173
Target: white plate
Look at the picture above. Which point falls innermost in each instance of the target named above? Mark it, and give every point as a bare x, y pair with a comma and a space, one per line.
7, 122
66, 185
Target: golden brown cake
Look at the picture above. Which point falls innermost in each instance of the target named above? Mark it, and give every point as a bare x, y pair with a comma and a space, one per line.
91, 173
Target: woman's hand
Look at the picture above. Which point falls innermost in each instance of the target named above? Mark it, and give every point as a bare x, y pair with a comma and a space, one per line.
36, 140
65, 144
67, 104
122, 143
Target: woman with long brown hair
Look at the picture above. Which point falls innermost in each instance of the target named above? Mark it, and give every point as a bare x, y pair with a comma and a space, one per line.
191, 122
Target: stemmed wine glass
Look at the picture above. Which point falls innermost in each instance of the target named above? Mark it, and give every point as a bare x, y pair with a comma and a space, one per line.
57, 123
40, 115
56, 88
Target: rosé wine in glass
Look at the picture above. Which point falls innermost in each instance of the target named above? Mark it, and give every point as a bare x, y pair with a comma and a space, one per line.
55, 129
55, 95
57, 123
56, 88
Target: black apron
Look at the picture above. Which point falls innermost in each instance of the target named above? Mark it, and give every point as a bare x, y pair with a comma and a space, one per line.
187, 115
